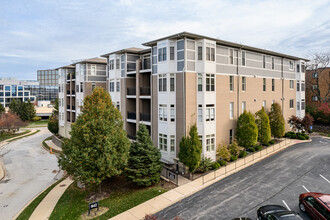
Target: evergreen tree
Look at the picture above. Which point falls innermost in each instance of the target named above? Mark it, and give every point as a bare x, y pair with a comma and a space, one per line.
144, 164
25, 110
262, 121
276, 120
53, 119
2, 109
191, 149
98, 147
247, 131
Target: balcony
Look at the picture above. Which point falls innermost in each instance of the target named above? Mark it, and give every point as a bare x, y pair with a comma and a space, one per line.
73, 92
131, 67
68, 92
73, 107
146, 64
131, 115
131, 91
145, 91
68, 107
145, 117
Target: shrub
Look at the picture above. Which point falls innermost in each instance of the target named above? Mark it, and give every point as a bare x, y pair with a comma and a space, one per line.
222, 162
242, 154
262, 121
276, 120
290, 134
272, 142
234, 148
258, 147
205, 164
251, 149
36, 118
247, 131
267, 144
233, 158
301, 137
223, 152
53, 125
215, 165
306, 136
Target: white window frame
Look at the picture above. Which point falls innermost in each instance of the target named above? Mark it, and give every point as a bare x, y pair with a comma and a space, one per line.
210, 113
210, 142
231, 83
200, 113
291, 103
243, 83
231, 110
93, 70
172, 112
291, 84
200, 82
243, 106
243, 54
210, 82
172, 143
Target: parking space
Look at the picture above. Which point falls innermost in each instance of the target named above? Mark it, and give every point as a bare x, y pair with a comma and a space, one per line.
279, 179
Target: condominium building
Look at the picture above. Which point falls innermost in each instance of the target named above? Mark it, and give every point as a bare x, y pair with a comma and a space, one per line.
318, 86
75, 82
20, 90
186, 79
47, 77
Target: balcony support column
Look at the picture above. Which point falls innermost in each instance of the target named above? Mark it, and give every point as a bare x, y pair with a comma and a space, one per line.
137, 87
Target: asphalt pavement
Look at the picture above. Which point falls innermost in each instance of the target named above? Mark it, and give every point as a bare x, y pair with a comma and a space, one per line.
278, 179
30, 169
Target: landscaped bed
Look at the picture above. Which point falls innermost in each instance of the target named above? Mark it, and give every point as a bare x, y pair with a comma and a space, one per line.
7, 136
123, 195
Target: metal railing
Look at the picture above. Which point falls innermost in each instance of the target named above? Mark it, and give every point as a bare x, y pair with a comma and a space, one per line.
131, 115
131, 91
145, 117
73, 92
145, 91
68, 92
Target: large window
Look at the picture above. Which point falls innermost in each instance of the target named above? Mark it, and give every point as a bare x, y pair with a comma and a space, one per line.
162, 54
163, 112
200, 113
291, 65
210, 53
172, 113
231, 56
231, 83
171, 53
291, 84
163, 142
273, 85
111, 64
210, 112
210, 82
112, 86
298, 86
243, 83
118, 86
200, 53
93, 70
291, 103
264, 84
172, 143
210, 142
172, 82
231, 110
162, 83
243, 58
200, 82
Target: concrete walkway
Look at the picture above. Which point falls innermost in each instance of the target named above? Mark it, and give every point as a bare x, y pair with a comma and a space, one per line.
51, 144
47, 205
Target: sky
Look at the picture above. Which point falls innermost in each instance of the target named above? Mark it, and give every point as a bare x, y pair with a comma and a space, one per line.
46, 34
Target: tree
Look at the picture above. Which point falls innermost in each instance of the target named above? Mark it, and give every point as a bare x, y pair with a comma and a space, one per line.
2, 109
191, 149
307, 121
318, 77
99, 147
10, 122
247, 131
262, 121
144, 164
276, 120
25, 110
53, 119
223, 152
296, 123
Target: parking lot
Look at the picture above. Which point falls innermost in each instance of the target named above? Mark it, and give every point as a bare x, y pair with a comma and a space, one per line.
279, 179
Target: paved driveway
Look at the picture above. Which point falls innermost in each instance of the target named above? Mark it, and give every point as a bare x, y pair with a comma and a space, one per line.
29, 171
279, 179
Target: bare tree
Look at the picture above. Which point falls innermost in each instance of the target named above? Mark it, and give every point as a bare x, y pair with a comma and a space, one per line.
318, 76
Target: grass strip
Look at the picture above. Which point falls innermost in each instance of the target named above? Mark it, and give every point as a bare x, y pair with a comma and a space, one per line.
27, 212
38, 124
8, 136
24, 136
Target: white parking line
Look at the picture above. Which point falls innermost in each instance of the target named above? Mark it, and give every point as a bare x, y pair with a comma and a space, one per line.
325, 178
305, 188
286, 205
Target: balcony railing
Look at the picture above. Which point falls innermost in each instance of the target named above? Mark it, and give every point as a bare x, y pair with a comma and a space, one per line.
144, 91
68, 107
145, 117
131, 67
131, 91
73, 107
68, 92
73, 92
131, 115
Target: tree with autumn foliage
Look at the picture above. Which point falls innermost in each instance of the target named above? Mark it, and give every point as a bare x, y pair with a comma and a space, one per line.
98, 147
10, 123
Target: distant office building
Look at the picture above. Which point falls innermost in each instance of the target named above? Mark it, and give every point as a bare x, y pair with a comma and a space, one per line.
11, 88
43, 93
47, 77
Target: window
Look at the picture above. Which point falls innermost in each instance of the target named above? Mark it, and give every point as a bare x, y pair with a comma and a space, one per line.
162, 54
172, 113
264, 84
93, 86
200, 113
1, 87
231, 83
273, 63
291, 65
112, 86
93, 70
314, 87
172, 80
118, 106
243, 83
315, 75
117, 86
302, 85
303, 104
273, 85
210, 82
298, 86
263, 61
243, 106
210, 112
298, 105
163, 142
111, 64
291, 84
291, 103
231, 110
314, 98
200, 53
171, 53
163, 112
231, 136
81, 87
210, 54
117, 64
231, 56
298, 68
243, 58
210, 142
162, 82
200, 82
172, 143
264, 104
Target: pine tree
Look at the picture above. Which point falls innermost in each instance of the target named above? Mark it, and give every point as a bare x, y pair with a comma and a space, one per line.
144, 164
247, 131
25, 110
262, 121
53, 119
99, 147
276, 120
191, 149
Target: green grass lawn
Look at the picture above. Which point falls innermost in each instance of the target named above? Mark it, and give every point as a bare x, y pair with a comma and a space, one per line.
24, 136
122, 197
42, 123
4, 137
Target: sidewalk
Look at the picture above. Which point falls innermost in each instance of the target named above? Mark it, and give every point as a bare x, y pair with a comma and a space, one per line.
47, 205
51, 144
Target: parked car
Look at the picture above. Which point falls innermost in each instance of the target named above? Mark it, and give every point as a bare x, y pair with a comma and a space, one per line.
241, 218
316, 205
276, 212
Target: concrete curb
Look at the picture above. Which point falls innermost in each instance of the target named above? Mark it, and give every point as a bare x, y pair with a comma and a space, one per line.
3, 171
